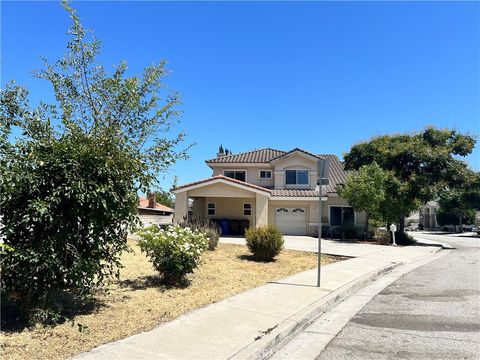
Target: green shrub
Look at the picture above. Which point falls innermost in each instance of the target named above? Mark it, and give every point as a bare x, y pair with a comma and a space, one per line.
373, 225
346, 232
174, 252
264, 242
382, 236
404, 239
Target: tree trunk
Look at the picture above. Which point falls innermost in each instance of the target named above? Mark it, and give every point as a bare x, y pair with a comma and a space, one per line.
401, 225
460, 224
367, 216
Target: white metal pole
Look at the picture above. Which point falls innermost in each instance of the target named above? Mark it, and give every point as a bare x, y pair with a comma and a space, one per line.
320, 168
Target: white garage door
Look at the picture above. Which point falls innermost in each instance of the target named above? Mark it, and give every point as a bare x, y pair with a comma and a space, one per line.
291, 221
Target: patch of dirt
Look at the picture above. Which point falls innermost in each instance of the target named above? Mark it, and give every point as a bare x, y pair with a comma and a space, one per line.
138, 301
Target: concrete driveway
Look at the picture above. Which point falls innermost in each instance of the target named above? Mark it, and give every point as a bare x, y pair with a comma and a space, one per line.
337, 247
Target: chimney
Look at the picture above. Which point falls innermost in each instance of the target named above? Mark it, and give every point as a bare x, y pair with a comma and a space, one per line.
220, 153
151, 200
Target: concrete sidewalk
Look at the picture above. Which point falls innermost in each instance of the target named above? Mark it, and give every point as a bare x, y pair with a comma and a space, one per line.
251, 324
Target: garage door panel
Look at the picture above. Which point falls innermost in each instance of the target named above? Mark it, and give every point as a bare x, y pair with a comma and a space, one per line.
291, 221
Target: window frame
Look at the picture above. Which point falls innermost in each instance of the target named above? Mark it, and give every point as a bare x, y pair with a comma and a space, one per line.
342, 207
214, 208
296, 177
234, 171
265, 178
247, 209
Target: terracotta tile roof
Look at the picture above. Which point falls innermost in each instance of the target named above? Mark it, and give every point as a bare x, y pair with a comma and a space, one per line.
255, 156
221, 177
294, 193
143, 204
337, 173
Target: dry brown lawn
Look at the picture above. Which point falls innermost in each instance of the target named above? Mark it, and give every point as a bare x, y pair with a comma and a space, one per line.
138, 302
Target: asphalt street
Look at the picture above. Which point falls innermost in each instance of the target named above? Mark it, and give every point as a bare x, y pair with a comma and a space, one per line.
432, 312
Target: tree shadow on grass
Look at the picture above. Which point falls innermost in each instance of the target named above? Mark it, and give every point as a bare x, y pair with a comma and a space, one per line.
250, 257
153, 281
67, 305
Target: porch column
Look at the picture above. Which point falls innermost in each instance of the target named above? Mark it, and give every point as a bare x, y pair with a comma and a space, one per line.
261, 210
199, 208
181, 206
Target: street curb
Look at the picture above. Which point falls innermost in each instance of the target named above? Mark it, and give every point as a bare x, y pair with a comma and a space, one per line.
271, 342
340, 318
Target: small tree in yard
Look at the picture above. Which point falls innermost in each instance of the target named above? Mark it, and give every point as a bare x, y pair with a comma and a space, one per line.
71, 175
365, 190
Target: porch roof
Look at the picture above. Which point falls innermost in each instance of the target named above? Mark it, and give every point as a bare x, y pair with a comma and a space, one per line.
221, 179
294, 193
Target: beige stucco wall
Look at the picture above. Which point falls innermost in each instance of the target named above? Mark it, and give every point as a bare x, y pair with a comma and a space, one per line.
261, 213
295, 161
220, 190
231, 208
253, 174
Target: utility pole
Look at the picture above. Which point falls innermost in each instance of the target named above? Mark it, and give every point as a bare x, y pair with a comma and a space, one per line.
322, 179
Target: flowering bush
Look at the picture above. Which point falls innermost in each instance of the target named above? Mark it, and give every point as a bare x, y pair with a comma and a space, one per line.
208, 228
174, 252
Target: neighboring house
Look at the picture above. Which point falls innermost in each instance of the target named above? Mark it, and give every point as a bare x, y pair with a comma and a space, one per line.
268, 186
426, 217
150, 212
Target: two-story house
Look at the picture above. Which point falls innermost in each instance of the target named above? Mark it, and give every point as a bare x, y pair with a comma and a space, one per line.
268, 186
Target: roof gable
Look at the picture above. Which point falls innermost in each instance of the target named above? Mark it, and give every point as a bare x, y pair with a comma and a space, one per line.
225, 180
295, 151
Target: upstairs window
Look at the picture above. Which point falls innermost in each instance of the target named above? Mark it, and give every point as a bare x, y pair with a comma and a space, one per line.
235, 174
296, 177
265, 174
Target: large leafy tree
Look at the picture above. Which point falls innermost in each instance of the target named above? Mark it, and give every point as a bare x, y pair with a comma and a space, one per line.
365, 190
458, 205
423, 164
71, 170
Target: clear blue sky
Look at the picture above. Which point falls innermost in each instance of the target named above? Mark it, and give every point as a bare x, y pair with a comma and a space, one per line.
316, 75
